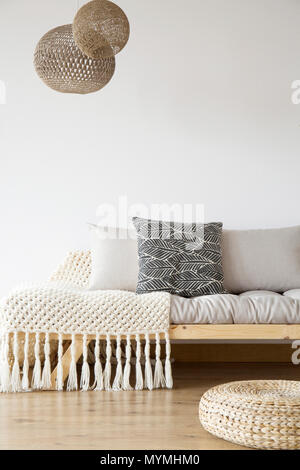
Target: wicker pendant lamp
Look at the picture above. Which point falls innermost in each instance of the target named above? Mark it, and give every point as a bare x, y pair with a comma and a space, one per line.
101, 29
63, 67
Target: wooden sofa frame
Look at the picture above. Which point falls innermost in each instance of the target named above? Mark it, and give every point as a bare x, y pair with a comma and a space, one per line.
205, 332
195, 332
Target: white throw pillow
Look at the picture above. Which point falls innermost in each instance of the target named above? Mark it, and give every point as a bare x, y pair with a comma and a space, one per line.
114, 259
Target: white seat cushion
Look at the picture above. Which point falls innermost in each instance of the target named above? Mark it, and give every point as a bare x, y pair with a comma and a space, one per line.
293, 293
258, 293
249, 307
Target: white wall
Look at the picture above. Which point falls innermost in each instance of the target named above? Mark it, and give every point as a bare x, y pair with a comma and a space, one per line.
199, 111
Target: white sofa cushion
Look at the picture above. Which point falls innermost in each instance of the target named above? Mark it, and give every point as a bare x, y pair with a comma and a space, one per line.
258, 293
261, 259
293, 293
249, 307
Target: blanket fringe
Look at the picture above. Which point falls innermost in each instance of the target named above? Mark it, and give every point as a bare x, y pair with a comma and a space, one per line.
159, 378
127, 368
139, 382
148, 369
5, 381
85, 371
117, 385
107, 370
36, 375
25, 369
11, 380
168, 369
46, 375
59, 375
15, 376
72, 379
98, 384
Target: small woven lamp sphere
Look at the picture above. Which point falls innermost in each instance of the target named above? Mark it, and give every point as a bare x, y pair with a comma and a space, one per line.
101, 29
63, 67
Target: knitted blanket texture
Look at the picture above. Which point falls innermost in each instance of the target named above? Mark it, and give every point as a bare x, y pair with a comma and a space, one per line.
31, 317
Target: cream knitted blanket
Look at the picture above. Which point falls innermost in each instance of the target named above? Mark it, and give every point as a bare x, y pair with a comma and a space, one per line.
64, 306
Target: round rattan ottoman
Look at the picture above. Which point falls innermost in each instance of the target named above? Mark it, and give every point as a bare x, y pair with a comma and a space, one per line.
264, 414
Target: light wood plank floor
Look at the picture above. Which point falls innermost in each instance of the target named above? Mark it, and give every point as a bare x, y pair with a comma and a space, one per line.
125, 420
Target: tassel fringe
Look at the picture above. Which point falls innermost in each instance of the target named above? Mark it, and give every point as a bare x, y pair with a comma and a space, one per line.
159, 378
117, 385
114, 351
148, 370
127, 368
15, 376
168, 369
46, 375
107, 371
36, 375
139, 382
25, 370
59, 376
5, 381
72, 379
98, 384
85, 372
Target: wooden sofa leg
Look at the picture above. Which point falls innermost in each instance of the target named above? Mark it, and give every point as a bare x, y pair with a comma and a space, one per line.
66, 360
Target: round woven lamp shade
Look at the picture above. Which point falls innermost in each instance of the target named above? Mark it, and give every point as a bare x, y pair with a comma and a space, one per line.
63, 67
101, 29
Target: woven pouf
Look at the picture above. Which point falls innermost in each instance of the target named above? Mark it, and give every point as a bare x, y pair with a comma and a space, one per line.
264, 414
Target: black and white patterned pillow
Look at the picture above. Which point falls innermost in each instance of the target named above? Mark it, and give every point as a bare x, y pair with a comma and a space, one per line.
183, 259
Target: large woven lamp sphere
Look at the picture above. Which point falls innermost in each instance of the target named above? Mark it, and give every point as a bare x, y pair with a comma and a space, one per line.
101, 29
63, 67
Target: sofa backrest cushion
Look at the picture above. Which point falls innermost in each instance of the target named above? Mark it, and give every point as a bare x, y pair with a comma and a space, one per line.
261, 259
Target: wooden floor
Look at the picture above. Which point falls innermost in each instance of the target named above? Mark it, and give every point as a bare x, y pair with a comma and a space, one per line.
162, 419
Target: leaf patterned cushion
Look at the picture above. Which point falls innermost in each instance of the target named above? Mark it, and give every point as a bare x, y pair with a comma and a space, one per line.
183, 259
